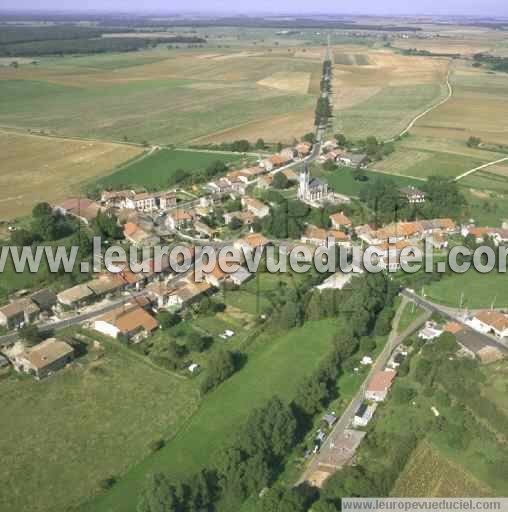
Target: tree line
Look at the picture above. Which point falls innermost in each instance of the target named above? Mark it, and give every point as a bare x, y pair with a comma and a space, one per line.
256, 456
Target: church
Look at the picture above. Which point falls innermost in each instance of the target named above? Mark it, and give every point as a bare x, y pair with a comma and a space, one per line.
311, 189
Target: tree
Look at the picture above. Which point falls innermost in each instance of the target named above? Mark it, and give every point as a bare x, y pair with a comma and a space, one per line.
31, 334
309, 137
45, 227
42, 210
473, 142
235, 224
215, 168
107, 225
167, 319
443, 198
158, 495
280, 181
240, 146
198, 342
22, 238
341, 139
311, 395
260, 144
330, 165
221, 367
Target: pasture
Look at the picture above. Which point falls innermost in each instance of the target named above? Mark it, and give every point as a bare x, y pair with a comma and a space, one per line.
36, 168
154, 171
276, 365
476, 290
161, 96
60, 437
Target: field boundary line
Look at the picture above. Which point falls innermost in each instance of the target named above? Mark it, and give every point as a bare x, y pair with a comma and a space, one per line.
480, 167
425, 112
28, 132
419, 178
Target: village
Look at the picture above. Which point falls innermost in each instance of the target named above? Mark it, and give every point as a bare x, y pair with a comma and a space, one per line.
226, 211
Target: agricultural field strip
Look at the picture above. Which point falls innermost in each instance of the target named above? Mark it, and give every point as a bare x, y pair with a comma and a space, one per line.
484, 166
425, 112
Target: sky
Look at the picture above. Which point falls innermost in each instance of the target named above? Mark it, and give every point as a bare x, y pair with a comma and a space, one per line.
231, 7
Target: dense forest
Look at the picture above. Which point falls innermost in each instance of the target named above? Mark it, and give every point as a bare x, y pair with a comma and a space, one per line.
16, 40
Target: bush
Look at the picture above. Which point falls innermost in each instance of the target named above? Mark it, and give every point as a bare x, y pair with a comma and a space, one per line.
107, 483
156, 445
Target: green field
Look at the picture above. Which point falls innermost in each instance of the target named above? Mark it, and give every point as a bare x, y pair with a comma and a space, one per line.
479, 290
343, 180
155, 170
485, 180
487, 209
60, 437
275, 366
410, 313
423, 163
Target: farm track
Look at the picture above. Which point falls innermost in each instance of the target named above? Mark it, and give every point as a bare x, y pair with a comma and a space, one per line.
480, 167
425, 112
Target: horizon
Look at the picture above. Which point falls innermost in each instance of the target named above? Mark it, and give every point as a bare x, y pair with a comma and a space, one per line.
491, 9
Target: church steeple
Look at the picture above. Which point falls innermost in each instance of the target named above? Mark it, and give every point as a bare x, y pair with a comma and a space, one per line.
303, 187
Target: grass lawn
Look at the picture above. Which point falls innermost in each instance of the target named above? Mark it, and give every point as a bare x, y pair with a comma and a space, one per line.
409, 315
60, 437
155, 170
480, 290
263, 286
275, 366
343, 180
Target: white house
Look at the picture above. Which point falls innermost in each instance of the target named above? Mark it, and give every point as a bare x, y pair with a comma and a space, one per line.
364, 414
490, 322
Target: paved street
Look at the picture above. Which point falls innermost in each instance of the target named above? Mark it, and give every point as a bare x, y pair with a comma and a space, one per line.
322, 460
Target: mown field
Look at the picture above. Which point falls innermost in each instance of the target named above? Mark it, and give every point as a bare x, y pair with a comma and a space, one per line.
156, 169
478, 107
38, 169
275, 366
60, 437
378, 92
162, 96
422, 163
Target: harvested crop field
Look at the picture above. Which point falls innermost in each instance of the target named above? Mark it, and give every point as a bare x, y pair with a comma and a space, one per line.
282, 128
351, 59
478, 107
36, 168
430, 474
381, 96
297, 82
162, 97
